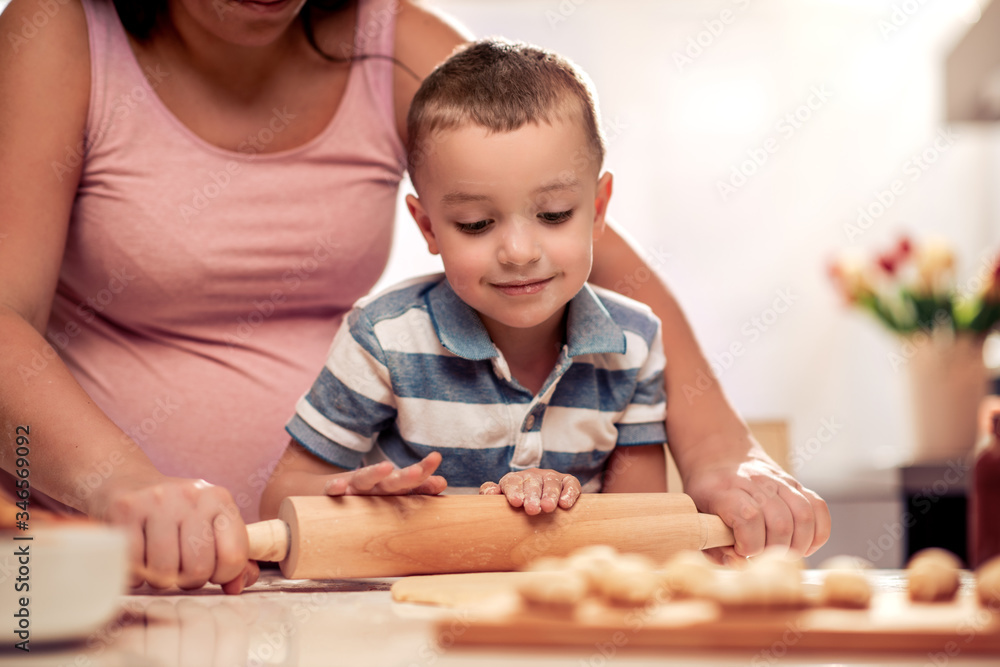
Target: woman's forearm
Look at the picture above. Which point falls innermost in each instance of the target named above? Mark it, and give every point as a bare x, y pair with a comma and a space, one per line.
69, 437
702, 427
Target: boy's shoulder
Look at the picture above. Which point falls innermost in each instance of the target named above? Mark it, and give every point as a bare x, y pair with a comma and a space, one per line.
627, 313
397, 299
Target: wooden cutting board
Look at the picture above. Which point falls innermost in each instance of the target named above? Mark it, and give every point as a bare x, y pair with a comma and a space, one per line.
892, 623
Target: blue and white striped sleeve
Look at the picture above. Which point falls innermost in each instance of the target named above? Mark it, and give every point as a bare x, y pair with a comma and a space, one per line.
643, 421
352, 399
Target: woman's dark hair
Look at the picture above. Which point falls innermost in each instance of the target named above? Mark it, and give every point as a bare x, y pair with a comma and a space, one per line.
140, 18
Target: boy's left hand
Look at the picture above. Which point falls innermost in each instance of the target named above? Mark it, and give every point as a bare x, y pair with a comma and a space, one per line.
535, 489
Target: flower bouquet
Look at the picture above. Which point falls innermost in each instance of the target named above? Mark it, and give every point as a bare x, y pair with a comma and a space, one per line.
912, 290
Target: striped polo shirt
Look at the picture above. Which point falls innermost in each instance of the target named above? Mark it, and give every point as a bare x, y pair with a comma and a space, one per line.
413, 370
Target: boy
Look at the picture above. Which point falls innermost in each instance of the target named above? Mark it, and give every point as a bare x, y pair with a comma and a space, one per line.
509, 373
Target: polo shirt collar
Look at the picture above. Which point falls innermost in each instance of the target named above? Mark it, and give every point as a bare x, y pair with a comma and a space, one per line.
461, 332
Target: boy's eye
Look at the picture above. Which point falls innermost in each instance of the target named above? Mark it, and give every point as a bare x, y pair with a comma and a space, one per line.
561, 216
473, 227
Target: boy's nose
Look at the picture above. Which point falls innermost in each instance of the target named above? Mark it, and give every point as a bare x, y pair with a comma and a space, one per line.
518, 245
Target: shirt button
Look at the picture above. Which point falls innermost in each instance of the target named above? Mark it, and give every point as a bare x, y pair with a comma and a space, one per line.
529, 422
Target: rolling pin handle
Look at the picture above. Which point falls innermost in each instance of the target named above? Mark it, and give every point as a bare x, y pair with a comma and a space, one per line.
714, 533
269, 540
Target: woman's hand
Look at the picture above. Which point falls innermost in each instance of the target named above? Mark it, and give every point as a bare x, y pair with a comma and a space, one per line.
182, 532
764, 505
535, 489
382, 479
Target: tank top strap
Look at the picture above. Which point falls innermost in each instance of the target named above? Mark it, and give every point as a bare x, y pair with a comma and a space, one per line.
374, 35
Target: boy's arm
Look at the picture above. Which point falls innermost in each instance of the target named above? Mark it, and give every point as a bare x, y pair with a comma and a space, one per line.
723, 468
301, 473
338, 419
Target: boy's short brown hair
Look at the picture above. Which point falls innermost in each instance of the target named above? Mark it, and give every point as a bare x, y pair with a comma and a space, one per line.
501, 85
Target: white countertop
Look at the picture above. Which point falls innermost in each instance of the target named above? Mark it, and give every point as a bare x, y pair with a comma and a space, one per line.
285, 623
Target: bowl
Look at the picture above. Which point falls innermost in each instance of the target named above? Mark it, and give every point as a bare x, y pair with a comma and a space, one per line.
61, 582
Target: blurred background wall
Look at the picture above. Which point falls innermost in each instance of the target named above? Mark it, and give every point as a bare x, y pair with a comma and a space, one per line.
744, 137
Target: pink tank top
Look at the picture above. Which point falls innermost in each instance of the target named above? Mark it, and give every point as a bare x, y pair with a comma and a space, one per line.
201, 287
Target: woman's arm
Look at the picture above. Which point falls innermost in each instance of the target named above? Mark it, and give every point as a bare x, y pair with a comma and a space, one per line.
424, 38
724, 469
44, 95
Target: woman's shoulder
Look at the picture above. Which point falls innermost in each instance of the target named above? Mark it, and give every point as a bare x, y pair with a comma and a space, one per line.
426, 35
48, 40
424, 38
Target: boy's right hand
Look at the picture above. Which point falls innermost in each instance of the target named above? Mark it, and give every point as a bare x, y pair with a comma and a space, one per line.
182, 532
383, 479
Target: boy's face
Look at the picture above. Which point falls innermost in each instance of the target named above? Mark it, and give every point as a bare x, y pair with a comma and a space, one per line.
514, 216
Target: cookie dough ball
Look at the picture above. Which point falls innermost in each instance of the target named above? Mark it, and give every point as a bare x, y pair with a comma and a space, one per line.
772, 579
558, 589
629, 579
845, 583
689, 575
988, 583
932, 576
592, 562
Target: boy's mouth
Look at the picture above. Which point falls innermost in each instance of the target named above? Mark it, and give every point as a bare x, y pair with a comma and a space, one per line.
262, 5
521, 287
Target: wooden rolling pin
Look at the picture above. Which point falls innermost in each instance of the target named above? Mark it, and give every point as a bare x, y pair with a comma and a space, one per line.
318, 537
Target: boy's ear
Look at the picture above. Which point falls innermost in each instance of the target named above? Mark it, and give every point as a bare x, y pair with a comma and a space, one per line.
423, 222
604, 188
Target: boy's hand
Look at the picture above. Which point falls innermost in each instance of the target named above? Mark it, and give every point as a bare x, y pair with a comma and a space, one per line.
182, 532
382, 479
535, 489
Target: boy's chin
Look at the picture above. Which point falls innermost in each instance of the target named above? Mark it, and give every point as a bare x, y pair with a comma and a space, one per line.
520, 321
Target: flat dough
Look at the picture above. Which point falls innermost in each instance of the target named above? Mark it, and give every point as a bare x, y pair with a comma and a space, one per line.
461, 590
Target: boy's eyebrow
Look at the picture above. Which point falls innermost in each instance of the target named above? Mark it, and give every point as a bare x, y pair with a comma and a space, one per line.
459, 197
565, 184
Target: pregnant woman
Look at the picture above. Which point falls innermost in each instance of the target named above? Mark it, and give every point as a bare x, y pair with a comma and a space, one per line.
194, 192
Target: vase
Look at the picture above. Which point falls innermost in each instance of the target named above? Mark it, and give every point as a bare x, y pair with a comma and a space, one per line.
948, 381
